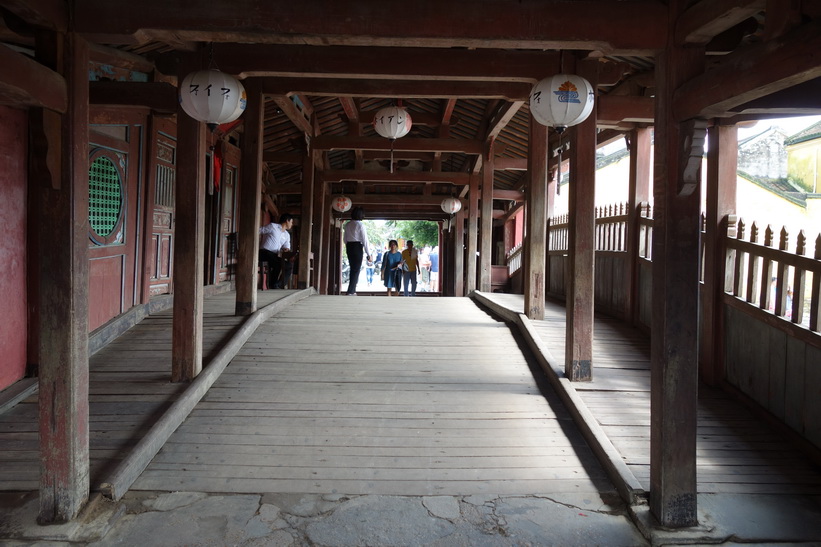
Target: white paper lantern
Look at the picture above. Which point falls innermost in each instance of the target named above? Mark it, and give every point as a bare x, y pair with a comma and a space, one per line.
341, 203
451, 205
212, 97
392, 122
562, 100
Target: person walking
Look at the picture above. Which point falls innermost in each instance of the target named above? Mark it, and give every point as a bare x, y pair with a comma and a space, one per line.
392, 267
356, 246
369, 265
434, 269
410, 267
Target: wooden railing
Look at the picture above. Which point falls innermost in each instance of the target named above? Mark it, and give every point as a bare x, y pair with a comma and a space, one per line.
514, 259
557, 234
782, 282
611, 228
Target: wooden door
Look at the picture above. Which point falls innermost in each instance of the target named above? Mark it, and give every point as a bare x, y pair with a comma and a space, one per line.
115, 140
162, 169
229, 189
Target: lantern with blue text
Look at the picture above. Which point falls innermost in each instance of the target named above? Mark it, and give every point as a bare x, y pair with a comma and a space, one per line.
212, 97
341, 203
451, 205
561, 101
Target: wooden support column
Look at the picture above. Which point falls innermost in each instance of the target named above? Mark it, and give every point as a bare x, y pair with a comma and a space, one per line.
722, 163
581, 244
306, 219
486, 239
63, 279
189, 246
535, 243
640, 155
674, 344
325, 250
458, 253
321, 215
473, 235
250, 200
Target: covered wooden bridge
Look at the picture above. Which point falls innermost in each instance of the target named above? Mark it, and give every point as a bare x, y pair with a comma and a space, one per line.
118, 204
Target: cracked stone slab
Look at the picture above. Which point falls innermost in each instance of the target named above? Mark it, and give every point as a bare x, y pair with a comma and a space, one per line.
444, 507
536, 520
379, 520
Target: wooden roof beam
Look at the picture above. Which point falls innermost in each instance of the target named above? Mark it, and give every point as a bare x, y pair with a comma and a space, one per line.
25, 82
751, 73
159, 96
708, 18
294, 114
397, 176
411, 144
46, 14
511, 91
584, 24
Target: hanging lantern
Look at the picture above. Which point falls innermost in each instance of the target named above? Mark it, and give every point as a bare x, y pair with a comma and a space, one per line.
212, 97
562, 100
392, 122
451, 205
341, 203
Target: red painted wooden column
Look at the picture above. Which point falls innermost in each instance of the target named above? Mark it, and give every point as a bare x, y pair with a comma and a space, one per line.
306, 218
250, 200
486, 239
674, 343
722, 164
581, 244
189, 246
639, 191
63, 193
321, 214
535, 243
473, 235
325, 250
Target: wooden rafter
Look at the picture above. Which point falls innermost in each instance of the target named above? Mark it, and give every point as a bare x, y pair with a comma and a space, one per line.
708, 18
584, 24
25, 82
407, 143
397, 88
397, 176
752, 73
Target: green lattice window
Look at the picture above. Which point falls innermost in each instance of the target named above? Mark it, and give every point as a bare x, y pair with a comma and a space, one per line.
105, 198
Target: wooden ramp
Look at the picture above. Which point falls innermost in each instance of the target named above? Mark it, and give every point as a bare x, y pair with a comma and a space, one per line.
366, 395
737, 452
129, 389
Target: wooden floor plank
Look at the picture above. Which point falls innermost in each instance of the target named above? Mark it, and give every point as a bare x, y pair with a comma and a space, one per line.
736, 453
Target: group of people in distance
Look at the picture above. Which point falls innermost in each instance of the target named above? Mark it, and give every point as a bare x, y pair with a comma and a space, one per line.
397, 267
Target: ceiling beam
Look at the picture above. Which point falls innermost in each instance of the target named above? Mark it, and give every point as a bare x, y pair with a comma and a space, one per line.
801, 99
751, 73
295, 158
47, 14
500, 119
25, 82
708, 18
615, 109
512, 195
396, 176
410, 89
501, 163
465, 146
294, 114
546, 24
158, 96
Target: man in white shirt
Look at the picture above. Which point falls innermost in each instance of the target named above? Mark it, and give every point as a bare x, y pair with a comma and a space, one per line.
275, 240
356, 246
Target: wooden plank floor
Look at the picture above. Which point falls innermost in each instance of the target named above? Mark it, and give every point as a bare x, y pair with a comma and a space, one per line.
129, 389
737, 453
366, 395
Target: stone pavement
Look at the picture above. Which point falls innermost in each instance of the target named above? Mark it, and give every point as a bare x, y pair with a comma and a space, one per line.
197, 519
179, 519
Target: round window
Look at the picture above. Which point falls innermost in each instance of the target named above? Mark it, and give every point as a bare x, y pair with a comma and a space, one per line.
105, 200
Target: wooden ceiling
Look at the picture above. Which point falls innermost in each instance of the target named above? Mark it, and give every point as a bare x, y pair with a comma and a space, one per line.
463, 69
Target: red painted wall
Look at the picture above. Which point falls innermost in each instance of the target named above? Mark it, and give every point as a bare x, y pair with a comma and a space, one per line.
13, 326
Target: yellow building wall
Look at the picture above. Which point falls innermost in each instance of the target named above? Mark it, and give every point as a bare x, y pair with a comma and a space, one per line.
804, 165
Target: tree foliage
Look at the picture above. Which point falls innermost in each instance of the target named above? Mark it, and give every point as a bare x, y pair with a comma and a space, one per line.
422, 232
